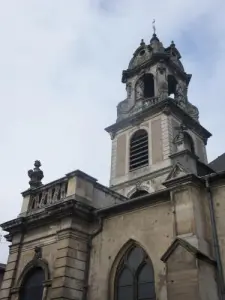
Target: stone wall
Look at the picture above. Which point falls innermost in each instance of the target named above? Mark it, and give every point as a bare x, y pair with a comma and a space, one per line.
64, 251
151, 227
159, 151
218, 192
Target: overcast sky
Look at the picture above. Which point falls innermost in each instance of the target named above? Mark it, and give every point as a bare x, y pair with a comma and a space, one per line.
60, 80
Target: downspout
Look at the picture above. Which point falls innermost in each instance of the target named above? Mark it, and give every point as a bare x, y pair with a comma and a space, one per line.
215, 241
87, 268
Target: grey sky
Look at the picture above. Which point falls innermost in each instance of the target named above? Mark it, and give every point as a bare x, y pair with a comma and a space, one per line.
60, 80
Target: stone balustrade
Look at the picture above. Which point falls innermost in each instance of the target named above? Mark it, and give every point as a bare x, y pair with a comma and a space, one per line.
48, 194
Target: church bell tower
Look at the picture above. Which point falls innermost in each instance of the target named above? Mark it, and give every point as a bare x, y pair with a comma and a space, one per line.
157, 129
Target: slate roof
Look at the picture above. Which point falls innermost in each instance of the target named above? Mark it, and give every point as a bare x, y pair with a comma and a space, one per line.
218, 164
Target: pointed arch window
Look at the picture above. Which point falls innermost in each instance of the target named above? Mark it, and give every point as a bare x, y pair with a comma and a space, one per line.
139, 149
32, 286
135, 277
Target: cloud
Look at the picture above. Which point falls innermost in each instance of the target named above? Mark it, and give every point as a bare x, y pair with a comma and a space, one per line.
60, 80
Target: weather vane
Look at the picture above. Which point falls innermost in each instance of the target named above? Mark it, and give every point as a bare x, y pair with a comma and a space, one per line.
153, 26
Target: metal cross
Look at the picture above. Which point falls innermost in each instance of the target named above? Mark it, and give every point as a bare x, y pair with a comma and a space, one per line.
153, 26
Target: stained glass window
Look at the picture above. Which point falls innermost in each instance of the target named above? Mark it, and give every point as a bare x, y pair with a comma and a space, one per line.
135, 277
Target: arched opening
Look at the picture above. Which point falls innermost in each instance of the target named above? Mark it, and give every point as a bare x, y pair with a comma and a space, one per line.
145, 87
188, 142
138, 193
32, 285
135, 276
149, 88
139, 149
172, 83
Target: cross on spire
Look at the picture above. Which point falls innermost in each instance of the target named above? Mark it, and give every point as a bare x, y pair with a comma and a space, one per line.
153, 26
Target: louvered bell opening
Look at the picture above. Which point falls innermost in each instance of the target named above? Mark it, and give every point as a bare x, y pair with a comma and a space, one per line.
139, 150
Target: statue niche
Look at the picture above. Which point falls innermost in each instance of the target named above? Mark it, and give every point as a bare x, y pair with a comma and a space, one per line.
145, 87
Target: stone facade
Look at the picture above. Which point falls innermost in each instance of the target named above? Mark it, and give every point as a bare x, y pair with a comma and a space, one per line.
78, 234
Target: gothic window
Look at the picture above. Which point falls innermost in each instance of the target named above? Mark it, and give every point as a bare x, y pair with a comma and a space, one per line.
138, 193
188, 142
32, 286
135, 277
172, 83
139, 149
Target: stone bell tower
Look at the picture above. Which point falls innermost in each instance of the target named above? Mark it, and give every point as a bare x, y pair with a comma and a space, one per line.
156, 127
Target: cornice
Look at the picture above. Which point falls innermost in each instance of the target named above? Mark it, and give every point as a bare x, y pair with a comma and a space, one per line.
51, 213
153, 60
146, 200
183, 180
168, 103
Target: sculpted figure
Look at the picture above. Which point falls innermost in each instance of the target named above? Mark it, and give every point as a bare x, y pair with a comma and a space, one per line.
139, 91
162, 81
181, 92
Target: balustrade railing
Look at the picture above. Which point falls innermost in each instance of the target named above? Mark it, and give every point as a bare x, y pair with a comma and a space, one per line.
143, 104
48, 194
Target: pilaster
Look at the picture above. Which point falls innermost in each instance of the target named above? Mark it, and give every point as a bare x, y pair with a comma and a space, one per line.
70, 265
11, 269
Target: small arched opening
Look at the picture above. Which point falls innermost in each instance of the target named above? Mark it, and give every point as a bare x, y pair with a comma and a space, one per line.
139, 149
188, 142
138, 193
172, 84
32, 285
149, 86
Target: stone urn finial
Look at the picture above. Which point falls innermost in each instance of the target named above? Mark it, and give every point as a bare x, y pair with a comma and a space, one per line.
36, 175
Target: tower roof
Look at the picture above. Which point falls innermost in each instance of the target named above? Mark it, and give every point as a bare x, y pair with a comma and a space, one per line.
148, 54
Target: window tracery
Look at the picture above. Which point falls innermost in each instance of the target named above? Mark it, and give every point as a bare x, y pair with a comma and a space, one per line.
135, 276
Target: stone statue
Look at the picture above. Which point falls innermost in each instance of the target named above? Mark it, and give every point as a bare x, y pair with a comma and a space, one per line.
36, 175
129, 89
139, 90
181, 93
162, 81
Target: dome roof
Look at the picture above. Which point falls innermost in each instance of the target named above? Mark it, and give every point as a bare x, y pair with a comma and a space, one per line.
145, 52
141, 55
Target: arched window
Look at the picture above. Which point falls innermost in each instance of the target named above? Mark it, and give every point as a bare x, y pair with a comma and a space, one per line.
135, 277
172, 83
188, 142
139, 149
32, 286
138, 193
145, 87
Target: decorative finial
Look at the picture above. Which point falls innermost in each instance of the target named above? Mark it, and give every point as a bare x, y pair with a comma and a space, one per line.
154, 36
36, 175
172, 44
153, 26
142, 42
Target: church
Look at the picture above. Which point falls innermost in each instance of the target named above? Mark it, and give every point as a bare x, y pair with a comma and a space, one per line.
157, 231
